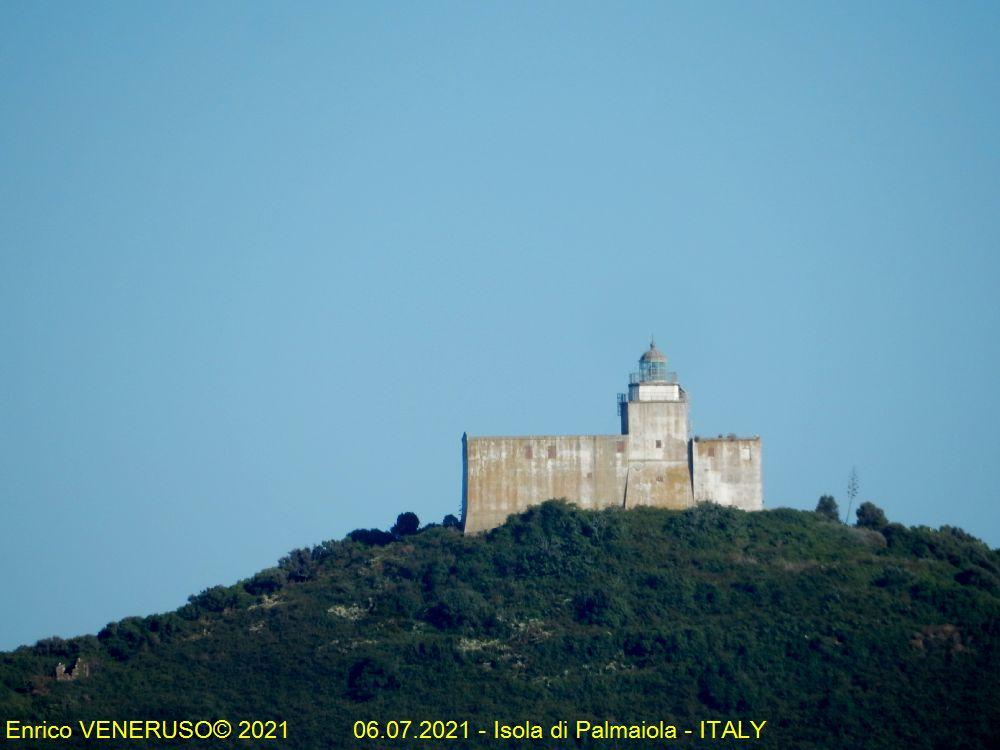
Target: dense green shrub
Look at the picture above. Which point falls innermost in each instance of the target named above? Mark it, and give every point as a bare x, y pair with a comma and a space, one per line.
266, 581
827, 508
217, 599
299, 565
870, 516
406, 524
459, 608
371, 537
370, 676
123, 639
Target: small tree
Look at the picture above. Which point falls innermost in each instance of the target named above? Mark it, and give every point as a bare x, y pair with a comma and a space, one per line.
827, 508
406, 524
870, 516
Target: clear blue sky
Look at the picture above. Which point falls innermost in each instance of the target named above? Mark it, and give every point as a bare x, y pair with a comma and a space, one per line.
262, 264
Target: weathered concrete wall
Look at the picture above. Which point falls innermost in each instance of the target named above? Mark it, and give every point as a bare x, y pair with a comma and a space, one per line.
658, 431
658, 471
661, 484
727, 471
505, 475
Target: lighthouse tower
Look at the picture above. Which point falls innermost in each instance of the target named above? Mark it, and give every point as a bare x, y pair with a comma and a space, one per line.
654, 415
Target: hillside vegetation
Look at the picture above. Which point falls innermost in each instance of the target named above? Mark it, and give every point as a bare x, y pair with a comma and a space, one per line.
839, 637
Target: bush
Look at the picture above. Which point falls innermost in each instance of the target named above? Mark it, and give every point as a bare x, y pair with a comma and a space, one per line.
401, 600
125, 638
216, 599
460, 609
406, 524
370, 676
54, 646
978, 578
266, 582
870, 516
299, 564
598, 607
371, 537
164, 626
893, 577
827, 508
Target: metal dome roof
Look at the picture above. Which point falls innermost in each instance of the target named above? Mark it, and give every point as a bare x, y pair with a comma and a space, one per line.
653, 355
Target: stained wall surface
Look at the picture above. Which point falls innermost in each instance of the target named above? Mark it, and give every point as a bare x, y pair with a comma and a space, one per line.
658, 430
505, 475
727, 471
658, 472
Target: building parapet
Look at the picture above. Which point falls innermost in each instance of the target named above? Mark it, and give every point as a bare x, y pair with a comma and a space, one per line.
614, 436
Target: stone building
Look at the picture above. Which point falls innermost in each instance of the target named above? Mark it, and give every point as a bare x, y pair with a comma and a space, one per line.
652, 462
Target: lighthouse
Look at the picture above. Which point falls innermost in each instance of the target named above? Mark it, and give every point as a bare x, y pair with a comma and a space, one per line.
653, 461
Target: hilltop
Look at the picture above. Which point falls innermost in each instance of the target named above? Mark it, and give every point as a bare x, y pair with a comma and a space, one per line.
838, 636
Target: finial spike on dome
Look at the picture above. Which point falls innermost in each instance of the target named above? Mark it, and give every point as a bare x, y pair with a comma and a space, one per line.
652, 341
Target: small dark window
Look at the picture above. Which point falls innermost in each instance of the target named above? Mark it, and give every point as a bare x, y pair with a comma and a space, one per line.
528, 453
621, 446
659, 443
552, 451
659, 479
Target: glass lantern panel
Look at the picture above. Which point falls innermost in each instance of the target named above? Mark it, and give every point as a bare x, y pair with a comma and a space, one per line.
653, 370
